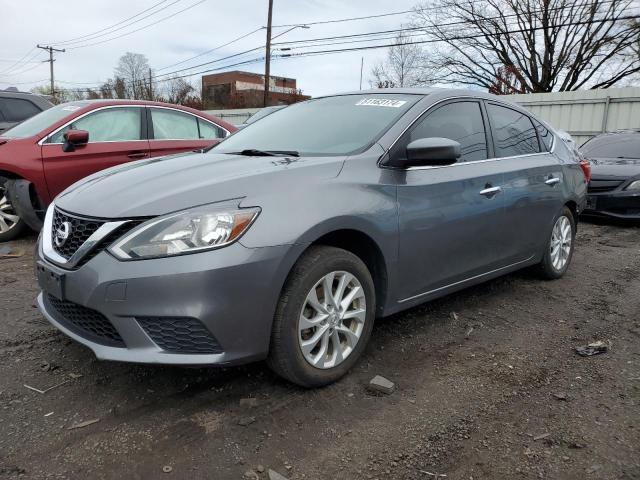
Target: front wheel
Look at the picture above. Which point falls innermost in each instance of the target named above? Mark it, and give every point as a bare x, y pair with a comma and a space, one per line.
324, 317
11, 225
559, 250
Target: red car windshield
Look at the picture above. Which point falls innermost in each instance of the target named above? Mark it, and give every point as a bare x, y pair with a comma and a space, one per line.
34, 125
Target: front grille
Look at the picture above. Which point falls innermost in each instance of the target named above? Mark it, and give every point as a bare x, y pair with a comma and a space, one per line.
597, 186
86, 322
180, 335
80, 229
108, 240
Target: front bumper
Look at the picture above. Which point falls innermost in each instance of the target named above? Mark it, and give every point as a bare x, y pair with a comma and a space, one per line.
615, 204
232, 293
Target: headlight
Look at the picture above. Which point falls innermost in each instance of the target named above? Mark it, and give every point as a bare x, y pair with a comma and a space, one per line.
190, 231
635, 185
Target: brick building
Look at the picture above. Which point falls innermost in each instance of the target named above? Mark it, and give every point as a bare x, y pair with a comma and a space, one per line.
246, 90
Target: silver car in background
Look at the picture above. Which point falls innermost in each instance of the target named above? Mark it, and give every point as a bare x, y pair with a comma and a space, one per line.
285, 241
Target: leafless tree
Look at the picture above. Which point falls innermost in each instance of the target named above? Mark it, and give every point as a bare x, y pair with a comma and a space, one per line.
529, 45
133, 68
401, 67
177, 90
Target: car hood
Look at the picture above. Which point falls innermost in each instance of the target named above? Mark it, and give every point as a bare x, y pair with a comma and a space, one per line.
614, 167
169, 184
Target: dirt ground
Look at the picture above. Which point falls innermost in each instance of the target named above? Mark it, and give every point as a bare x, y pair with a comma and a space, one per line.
488, 386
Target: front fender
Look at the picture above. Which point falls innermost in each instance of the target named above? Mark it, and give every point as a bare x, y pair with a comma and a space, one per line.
19, 194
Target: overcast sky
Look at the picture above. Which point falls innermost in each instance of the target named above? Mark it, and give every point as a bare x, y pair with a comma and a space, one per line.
205, 26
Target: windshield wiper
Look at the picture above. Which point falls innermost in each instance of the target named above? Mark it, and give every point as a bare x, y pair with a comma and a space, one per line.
252, 152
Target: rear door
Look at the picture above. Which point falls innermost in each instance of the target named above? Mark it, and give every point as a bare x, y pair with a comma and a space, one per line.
451, 218
116, 135
174, 131
533, 180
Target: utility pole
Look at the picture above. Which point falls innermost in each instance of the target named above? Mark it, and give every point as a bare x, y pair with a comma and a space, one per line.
150, 85
267, 58
361, 67
51, 60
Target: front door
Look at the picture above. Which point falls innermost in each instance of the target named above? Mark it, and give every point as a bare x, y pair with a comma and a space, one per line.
451, 218
115, 136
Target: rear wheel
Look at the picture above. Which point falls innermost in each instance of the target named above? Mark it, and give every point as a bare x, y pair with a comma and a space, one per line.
324, 317
559, 251
11, 225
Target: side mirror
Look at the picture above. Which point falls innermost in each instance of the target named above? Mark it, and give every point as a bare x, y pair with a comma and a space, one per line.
434, 151
75, 138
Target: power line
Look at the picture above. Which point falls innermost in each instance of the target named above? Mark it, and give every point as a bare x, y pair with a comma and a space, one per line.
6, 60
75, 39
22, 69
22, 61
157, 78
141, 28
388, 45
213, 49
350, 19
459, 37
26, 83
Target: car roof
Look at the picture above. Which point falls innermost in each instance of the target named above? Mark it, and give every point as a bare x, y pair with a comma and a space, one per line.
426, 91
87, 105
40, 100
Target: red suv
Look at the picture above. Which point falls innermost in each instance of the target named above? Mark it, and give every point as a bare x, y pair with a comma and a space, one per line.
45, 154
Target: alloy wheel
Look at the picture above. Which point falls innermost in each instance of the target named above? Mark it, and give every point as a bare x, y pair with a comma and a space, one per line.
332, 319
560, 246
8, 217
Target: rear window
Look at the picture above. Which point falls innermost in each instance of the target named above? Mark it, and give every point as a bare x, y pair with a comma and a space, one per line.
546, 137
513, 132
42, 120
18, 109
613, 146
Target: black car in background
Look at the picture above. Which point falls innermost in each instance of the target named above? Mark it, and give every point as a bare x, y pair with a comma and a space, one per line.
614, 189
16, 107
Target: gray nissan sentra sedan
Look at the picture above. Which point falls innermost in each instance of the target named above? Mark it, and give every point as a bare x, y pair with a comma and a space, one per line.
289, 238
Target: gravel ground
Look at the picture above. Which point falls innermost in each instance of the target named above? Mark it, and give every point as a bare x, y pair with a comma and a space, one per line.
487, 386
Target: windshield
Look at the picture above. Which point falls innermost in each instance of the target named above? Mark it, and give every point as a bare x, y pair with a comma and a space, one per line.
34, 125
613, 146
338, 125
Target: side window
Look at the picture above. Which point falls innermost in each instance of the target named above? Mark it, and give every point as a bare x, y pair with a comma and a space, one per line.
209, 130
172, 125
459, 121
546, 137
108, 125
18, 109
513, 132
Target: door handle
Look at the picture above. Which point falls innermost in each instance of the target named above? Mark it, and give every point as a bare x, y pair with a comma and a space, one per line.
551, 181
137, 155
490, 191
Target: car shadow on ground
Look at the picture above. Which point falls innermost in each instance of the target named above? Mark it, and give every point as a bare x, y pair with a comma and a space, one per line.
180, 383
611, 221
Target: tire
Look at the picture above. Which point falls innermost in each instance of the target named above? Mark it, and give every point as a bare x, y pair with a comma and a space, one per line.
550, 268
286, 356
9, 230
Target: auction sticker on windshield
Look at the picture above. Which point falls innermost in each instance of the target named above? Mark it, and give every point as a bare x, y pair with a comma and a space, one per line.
381, 102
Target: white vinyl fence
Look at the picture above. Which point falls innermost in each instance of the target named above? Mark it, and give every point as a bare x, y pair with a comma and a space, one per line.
585, 113
234, 116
